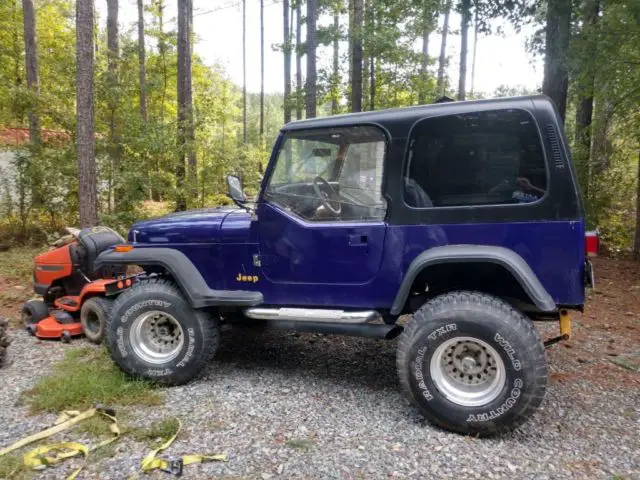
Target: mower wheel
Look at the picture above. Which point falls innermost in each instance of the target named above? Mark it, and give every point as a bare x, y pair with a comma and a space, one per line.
33, 311
93, 316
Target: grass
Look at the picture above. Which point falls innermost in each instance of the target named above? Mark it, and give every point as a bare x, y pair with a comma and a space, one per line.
96, 426
84, 377
626, 363
101, 454
16, 264
161, 430
11, 466
300, 443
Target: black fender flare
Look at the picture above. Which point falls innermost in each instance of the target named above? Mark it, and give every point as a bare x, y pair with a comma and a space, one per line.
505, 257
185, 273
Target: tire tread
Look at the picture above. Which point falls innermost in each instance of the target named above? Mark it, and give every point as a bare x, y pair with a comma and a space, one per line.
511, 317
208, 324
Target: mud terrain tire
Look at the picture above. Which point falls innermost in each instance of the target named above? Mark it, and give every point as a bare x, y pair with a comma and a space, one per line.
472, 364
153, 333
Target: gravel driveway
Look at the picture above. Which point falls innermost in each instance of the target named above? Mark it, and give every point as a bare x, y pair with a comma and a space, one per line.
285, 405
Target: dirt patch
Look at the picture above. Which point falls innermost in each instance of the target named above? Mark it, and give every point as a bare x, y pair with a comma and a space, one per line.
605, 345
12, 296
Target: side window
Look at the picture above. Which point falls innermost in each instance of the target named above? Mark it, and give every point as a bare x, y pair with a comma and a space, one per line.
332, 174
483, 158
362, 171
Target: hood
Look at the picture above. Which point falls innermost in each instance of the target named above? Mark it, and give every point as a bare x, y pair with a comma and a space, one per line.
193, 226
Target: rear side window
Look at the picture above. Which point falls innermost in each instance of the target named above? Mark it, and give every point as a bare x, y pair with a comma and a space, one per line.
484, 158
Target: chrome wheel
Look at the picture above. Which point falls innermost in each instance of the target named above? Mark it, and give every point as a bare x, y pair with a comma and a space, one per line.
468, 371
156, 337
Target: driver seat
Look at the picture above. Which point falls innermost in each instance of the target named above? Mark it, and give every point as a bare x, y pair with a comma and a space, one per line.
91, 242
415, 194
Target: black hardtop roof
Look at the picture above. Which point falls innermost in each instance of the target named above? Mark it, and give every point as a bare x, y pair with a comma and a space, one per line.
412, 114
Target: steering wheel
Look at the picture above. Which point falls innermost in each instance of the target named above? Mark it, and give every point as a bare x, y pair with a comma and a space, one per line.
329, 198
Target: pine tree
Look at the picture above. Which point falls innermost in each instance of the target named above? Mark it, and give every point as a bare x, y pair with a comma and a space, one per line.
31, 64
85, 114
310, 85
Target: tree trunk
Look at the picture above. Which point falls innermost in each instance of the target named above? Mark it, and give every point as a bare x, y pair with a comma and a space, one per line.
372, 55
286, 50
31, 64
298, 60
142, 63
88, 200
244, 72
113, 95
636, 242
356, 57
162, 50
475, 52
372, 83
310, 91
424, 60
186, 138
443, 50
335, 80
584, 111
16, 106
261, 73
350, 37
465, 17
556, 71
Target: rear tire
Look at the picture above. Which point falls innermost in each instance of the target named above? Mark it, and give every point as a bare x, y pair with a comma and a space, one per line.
93, 316
33, 311
472, 364
153, 333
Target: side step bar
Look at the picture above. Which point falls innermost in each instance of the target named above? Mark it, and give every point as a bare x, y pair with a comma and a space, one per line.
368, 330
311, 315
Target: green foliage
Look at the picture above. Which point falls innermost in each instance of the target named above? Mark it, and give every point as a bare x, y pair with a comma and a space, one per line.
12, 467
16, 264
41, 196
303, 444
86, 376
157, 432
607, 54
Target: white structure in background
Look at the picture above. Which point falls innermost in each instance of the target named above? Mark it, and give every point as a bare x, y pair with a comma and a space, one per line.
12, 139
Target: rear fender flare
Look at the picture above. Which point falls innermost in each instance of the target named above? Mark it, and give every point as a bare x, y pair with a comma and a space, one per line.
505, 257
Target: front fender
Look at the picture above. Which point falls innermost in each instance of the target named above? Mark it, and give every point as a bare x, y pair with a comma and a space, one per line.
184, 273
505, 257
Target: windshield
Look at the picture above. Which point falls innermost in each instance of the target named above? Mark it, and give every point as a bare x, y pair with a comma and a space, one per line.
341, 167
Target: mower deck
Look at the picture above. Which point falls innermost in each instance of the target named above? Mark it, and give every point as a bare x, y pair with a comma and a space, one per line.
50, 327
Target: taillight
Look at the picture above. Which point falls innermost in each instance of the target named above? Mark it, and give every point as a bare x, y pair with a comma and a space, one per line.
592, 243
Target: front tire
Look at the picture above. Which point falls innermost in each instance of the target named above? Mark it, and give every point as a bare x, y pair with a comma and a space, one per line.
153, 333
472, 364
33, 311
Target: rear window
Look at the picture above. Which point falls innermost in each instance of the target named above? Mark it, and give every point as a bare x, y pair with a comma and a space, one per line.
483, 158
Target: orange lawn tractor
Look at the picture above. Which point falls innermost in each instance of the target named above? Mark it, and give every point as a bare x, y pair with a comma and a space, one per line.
75, 296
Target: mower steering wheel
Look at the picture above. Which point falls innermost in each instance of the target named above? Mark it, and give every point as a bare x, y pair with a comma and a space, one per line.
327, 198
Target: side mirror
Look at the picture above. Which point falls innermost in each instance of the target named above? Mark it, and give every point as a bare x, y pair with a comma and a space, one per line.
235, 189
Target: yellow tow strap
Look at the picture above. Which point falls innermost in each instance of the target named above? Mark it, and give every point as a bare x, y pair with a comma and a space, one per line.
45, 455
174, 464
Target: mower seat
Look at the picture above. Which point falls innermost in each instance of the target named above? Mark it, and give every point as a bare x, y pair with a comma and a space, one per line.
91, 242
